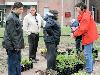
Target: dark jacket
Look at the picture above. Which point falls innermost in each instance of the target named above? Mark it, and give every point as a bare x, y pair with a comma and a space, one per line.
13, 35
52, 30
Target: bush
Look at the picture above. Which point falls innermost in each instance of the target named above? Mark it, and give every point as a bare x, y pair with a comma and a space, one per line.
26, 64
65, 61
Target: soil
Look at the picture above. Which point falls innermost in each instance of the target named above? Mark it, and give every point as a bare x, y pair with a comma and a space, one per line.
40, 65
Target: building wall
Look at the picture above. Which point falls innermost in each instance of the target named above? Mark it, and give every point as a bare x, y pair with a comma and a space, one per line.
8, 7
18, 0
2, 2
51, 4
96, 4
68, 6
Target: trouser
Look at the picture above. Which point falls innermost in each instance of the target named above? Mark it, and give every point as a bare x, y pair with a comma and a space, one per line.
51, 56
78, 44
88, 57
33, 44
14, 59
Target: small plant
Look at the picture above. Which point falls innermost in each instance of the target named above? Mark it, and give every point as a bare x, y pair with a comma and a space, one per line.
95, 53
96, 47
61, 62
65, 61
43, 52
80, 73
25, 61
81, 58
26, 64
71, 61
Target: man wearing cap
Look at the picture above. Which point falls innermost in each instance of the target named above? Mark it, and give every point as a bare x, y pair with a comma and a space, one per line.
52, 34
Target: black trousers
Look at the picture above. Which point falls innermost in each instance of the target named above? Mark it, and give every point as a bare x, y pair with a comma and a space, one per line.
33, 44
51, 56
78, 44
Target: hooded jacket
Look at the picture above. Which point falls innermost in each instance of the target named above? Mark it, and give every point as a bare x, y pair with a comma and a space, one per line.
52, 30
87, 28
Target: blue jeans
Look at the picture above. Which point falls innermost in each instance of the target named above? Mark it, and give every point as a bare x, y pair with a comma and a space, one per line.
88, 57
14, 59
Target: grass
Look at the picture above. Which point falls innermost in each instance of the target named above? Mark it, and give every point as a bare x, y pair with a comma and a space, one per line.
1, 32
64, 39
65, 30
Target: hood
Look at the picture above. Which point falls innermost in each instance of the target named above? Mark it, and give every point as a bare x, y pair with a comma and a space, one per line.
49, 14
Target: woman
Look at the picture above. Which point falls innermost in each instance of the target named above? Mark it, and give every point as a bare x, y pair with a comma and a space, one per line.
88, 30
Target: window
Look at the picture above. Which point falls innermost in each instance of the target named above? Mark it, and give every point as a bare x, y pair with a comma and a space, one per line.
1, 15
46, 9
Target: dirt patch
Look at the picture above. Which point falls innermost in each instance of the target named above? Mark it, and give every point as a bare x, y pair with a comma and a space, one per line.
41, 64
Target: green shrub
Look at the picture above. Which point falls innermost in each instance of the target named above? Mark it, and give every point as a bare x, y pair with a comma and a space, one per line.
25, 61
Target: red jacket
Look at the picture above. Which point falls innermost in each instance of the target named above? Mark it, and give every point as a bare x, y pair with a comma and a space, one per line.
87, 28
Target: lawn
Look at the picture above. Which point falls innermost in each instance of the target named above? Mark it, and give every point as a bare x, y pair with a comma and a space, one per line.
65, 31
64, 39
65, 42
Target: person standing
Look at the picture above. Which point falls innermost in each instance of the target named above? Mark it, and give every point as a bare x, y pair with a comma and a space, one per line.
88, 30
52, 32
13, 39
32, 24
74, 25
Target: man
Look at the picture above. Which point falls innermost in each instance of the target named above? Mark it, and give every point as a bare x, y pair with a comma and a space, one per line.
32, 25
52, 34
88, 30
13, 39
74, 25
